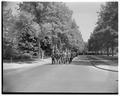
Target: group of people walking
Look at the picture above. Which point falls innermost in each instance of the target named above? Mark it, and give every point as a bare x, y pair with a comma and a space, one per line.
62, 56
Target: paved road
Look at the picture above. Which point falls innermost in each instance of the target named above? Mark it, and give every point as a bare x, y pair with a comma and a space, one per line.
79, 77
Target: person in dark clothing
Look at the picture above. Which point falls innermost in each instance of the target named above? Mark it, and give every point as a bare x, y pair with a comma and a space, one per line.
53, 56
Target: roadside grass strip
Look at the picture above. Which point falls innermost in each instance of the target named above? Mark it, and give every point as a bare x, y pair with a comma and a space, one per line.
26, 65
92, 60
101, 63
103, 68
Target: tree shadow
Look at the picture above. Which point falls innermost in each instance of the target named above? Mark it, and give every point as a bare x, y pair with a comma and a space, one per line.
90, 63
81, 63
104, 63
112, 59
20, 61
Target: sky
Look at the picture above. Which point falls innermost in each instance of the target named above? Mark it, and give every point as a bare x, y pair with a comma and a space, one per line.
85, 15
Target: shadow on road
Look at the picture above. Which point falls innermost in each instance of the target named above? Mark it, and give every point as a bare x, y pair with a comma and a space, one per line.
104, 63
85, 63
27, 61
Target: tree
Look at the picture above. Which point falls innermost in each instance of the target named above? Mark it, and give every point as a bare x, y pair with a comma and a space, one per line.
57, 14
40, 26
106, 32
26, 37
9, 35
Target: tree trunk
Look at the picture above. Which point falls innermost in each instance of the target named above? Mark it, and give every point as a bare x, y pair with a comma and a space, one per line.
101, 52
112, 51
104, 52
39, 50
39, 45
107, 51
42, 55
11, 60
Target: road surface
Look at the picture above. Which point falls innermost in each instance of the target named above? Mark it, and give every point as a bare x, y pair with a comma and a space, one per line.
80, 76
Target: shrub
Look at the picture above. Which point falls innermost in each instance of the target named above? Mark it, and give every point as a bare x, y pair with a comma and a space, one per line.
26, 56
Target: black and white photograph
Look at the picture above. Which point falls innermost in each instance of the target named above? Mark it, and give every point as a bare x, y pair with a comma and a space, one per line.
59, 47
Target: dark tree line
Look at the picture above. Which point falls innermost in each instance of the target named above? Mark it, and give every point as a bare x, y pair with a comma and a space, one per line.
104, 38
37, 28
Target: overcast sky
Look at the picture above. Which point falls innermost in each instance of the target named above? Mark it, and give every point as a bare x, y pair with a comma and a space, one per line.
85, 15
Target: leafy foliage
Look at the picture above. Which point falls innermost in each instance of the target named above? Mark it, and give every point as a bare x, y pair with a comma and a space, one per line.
40, 26
105, 35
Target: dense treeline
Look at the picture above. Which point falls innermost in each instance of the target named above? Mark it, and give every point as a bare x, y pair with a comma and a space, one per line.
104, 38
38, 28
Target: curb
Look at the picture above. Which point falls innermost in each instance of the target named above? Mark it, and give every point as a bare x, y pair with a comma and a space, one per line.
103, 68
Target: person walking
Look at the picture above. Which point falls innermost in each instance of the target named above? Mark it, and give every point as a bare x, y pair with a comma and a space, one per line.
53, 56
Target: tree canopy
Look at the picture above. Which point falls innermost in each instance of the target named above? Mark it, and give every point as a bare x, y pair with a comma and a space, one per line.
39, 26
105, 34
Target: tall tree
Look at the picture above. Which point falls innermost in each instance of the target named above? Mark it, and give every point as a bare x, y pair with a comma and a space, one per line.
48, 12
9, 39
106, 31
